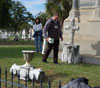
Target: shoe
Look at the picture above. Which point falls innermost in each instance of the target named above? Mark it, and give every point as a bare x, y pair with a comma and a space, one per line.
44, 61
55, 62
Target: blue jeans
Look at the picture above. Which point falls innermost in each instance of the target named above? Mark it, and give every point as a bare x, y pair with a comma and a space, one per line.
38, 43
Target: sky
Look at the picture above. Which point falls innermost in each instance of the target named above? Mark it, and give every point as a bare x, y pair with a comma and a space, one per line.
34, 6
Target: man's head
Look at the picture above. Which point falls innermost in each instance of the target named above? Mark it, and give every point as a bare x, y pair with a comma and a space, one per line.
55, 17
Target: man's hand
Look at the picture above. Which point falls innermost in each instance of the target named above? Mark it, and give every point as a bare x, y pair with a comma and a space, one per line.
61, 38
47, 39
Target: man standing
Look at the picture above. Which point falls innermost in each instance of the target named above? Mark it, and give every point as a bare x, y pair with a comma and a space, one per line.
52, 30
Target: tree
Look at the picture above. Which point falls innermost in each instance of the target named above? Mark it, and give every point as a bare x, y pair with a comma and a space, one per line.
20, 16
5, 18
62, 7
13, 15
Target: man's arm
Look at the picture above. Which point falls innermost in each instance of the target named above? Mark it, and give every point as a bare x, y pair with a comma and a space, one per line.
46, 28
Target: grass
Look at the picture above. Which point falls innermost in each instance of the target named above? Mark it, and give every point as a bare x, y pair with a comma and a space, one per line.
20, 42
62, 71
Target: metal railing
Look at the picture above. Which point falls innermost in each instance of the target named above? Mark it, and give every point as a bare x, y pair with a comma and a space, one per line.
18, 84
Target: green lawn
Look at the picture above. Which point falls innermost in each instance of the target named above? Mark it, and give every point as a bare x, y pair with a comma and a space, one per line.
62, 71
20, 42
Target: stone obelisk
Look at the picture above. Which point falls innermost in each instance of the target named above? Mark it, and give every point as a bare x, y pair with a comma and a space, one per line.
97, 9
75, 4
89, 35
75, 9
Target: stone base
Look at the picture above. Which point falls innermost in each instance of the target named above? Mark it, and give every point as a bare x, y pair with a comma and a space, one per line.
30, 72
90, 59
83, 58
70, 53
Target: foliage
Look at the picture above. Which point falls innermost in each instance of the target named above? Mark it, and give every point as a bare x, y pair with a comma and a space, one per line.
20, 17
62, 7
14, 16
43, 17
5, 18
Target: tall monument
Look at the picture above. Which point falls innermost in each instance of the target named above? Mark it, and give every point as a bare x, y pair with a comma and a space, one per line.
88, 16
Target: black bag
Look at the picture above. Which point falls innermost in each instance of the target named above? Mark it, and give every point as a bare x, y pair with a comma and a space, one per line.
77, 83
97, 87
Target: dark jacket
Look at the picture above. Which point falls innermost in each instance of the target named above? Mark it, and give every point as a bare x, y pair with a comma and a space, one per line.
53, 28
77, 83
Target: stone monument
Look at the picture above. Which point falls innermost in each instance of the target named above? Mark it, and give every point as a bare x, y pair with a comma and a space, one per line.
87, 13
27, 70
31, 33
0, 33
70, 50
23, 34
4, 35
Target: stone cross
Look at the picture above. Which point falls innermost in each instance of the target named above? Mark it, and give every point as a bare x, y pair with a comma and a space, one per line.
72, 28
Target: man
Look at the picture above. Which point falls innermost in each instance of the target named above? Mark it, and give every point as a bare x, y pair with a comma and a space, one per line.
52, 30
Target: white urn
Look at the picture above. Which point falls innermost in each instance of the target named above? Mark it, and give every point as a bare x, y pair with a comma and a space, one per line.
28, 56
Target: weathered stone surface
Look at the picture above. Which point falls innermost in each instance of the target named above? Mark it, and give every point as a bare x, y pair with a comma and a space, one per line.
86, 3
91, 59
89, 35
75, 4
71, 51
28, 56
72, 27
71, 54
30, 72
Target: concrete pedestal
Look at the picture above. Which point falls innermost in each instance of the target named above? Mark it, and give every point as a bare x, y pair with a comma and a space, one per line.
30, 72
71, 53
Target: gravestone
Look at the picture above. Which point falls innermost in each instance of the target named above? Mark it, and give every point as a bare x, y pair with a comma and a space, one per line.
4, 35
23, 34
87, 13
31, 33
27, 69
0, 33
70, 52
